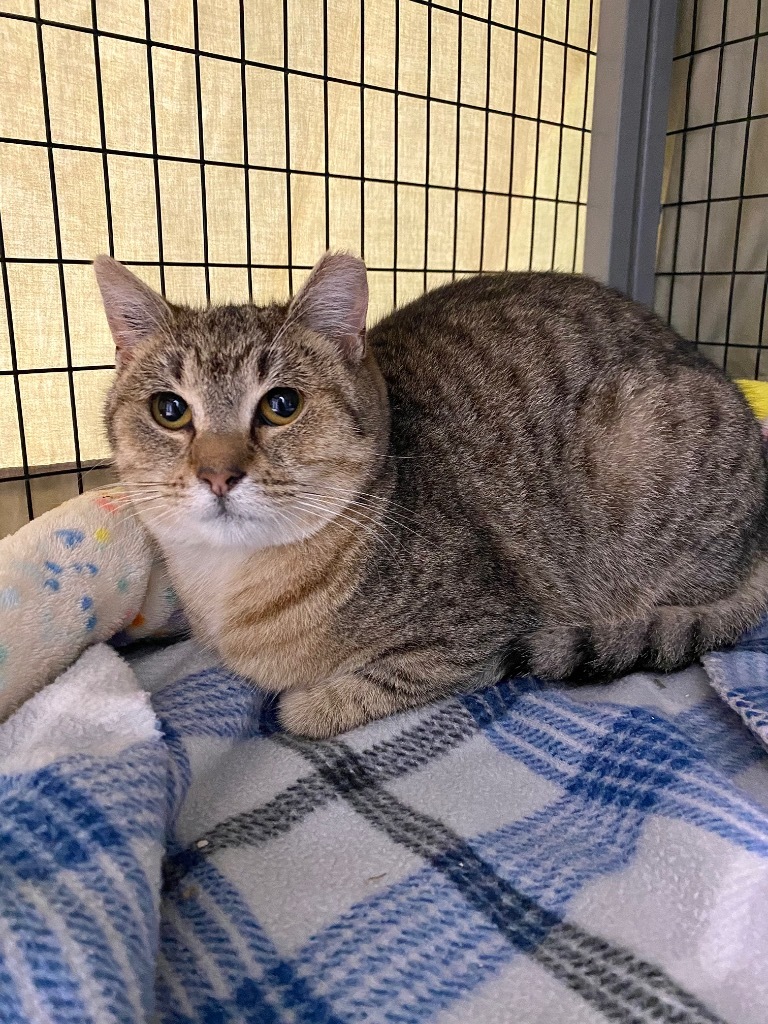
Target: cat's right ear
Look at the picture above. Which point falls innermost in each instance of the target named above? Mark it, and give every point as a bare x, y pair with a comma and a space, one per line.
134, 311
334, 302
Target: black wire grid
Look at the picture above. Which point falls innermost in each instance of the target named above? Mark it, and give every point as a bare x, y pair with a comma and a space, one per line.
33, 488
712, 280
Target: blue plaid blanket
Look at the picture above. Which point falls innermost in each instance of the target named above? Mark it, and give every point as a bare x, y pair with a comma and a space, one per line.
525, 854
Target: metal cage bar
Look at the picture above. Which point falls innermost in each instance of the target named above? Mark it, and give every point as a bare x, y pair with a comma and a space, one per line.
629, 127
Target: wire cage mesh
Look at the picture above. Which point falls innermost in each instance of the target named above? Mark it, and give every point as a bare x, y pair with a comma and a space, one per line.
218, 147
712, 272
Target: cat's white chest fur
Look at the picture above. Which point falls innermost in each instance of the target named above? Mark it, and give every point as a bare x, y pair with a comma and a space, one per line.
267, 613
204, 575
239, 603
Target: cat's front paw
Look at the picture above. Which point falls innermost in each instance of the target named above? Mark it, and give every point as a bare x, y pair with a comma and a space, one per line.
313, 712
330, 708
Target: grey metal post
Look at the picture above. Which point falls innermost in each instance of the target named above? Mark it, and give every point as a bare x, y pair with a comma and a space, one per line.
634, 66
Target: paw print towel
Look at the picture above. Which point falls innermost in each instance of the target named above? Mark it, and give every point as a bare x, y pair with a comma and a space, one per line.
83, 573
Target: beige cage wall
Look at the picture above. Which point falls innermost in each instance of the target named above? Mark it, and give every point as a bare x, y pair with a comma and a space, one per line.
712, 281
219, 147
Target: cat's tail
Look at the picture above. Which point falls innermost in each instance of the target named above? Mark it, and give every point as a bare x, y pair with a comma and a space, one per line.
669, 637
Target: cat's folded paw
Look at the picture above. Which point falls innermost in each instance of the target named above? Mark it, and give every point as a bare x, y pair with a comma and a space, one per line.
330, 708
317, 712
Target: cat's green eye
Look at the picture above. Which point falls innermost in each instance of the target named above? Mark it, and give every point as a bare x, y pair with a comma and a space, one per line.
280, 406
170, 410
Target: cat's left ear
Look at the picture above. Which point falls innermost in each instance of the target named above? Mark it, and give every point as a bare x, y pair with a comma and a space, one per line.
334, 302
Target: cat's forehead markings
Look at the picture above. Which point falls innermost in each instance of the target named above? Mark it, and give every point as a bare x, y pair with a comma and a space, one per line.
227, 354
221, 382
262, 363
231, 339
174, 364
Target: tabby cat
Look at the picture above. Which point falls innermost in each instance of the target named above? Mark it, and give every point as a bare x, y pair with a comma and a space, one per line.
524, 472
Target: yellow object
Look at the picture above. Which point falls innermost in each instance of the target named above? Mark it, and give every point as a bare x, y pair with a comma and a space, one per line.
756, 393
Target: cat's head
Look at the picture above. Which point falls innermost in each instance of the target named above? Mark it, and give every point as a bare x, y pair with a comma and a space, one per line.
244, 425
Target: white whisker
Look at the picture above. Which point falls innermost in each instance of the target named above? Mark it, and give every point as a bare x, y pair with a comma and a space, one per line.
341, 516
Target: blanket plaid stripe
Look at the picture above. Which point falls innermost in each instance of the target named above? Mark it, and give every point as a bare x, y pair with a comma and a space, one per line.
529, 853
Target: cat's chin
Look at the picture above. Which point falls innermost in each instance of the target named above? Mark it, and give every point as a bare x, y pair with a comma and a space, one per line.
226, 530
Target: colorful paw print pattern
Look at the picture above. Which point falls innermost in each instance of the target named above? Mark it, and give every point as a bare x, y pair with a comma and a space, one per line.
77, 575
71, 541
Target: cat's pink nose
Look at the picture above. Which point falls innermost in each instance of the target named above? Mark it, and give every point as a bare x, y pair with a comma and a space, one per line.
221, 481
